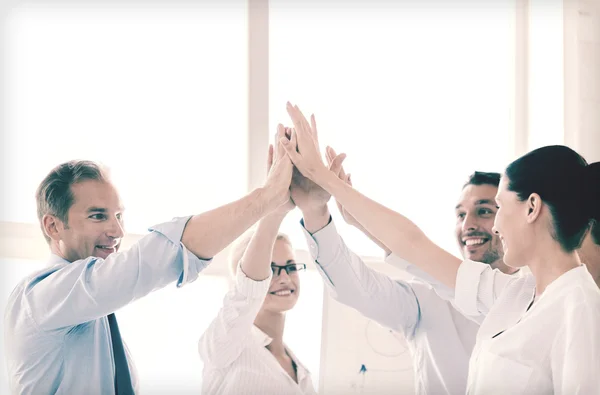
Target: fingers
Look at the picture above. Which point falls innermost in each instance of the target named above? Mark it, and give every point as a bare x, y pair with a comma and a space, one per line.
277, 152
336, 165
330, 153
348, 179
293, 113
290, 149
280, 130
303, 119
300, 124
313, 127
288, 132
270, 158
294, 140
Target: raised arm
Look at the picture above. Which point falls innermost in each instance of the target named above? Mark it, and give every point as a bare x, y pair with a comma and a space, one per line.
346, 277
83, 290
68, 294
330, 155
390, 258
207, 234
230, 332
350, 281
394, 230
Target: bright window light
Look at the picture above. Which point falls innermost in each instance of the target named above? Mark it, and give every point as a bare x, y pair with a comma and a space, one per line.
157, 92
419, 97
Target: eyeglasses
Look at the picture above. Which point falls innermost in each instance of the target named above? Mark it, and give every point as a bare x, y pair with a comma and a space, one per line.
289, 269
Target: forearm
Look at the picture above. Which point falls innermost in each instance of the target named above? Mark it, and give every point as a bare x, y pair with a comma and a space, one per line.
87, 289
208, 233
393, 230
256, 260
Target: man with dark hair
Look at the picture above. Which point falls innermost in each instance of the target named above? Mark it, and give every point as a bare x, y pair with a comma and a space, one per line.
475, 213
441, 338
61, 333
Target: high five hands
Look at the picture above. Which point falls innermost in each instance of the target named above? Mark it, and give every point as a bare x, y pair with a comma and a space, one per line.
301, 144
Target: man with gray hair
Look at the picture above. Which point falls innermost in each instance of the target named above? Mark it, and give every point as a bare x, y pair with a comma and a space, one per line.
61, 334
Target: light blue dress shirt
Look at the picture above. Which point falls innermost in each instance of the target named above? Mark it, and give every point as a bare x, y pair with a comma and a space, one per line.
57, 338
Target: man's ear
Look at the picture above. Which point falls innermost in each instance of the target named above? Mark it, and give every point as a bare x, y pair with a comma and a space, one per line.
52, 226
534, 207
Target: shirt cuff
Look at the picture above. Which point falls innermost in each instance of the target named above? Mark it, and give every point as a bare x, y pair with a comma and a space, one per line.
249, 288
467, 286
324, 245
192, 265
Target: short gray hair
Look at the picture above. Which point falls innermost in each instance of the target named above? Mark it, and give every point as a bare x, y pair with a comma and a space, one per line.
54, 195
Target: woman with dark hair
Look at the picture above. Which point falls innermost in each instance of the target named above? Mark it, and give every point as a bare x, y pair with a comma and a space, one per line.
541, 331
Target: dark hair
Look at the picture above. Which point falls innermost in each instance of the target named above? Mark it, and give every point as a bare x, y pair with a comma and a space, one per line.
565, 184
593, 178
483, 178
54, 195
596, 232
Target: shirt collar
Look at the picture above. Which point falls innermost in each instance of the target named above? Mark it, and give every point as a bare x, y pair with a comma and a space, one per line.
572, 277
264, 340
261, 337
55, 260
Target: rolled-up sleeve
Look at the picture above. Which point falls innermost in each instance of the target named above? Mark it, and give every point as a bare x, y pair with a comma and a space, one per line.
350, 281
90, 288
231, 331
191, 264
478, 286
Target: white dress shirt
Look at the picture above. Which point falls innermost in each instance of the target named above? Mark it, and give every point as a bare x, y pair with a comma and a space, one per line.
439, 337
552, 347
236, 361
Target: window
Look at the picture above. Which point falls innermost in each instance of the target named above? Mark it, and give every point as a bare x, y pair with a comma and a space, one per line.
156, 91
546, 73
419, 97
162, 332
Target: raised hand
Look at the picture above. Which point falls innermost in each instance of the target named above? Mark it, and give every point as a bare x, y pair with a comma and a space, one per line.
330, 156
280, 170
307, 195
303, 147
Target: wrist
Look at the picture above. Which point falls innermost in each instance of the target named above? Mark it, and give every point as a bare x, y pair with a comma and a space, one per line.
267, 198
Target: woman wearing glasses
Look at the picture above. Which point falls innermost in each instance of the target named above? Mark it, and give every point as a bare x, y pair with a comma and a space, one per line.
242, 349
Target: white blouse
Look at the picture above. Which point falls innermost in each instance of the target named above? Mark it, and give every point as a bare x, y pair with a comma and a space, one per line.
551, 346
236, 361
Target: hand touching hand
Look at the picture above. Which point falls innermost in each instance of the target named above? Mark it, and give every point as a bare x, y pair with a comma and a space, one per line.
280, 169
303, 148
307, 195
